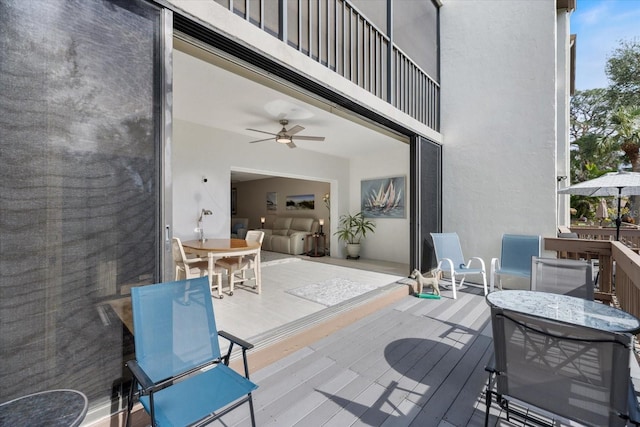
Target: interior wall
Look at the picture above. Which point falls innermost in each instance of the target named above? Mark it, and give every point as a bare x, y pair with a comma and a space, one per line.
390, 240
252, 200
200, 151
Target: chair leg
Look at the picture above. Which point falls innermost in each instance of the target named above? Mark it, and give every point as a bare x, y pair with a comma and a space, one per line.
253, 415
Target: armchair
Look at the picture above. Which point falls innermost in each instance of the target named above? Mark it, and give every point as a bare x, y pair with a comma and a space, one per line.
450, 260
515, 258
557, 369
179, 374
239, 227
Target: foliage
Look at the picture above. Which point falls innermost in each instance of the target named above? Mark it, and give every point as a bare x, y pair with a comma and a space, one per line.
605, 124
353, 228
623, 71
625, 133
585, 206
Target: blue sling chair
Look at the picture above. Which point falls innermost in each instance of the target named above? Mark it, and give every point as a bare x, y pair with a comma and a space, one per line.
179, 374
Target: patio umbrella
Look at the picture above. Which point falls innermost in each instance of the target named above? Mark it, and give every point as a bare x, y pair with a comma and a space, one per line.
611, 184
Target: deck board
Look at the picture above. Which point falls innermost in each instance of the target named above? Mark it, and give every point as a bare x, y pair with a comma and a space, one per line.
416, 362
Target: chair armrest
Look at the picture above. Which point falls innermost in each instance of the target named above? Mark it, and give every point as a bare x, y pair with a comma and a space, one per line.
242, 343
495, 266
447, 261
194, 260
479, 260
140, 375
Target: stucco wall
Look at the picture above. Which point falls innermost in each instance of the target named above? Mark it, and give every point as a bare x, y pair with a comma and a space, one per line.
498, 120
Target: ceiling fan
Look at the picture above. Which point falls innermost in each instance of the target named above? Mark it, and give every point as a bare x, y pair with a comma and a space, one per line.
287, 136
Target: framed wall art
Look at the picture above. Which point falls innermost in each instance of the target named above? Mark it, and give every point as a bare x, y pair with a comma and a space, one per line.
272, 201
383, 197
301, 202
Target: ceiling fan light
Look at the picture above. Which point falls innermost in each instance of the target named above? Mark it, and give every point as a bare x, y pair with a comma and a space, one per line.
283, 139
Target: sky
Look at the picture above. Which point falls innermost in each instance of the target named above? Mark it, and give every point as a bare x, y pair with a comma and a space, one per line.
599, 26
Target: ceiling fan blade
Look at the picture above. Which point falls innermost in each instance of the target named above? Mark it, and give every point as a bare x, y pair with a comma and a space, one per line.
291, 144
295, 130
261, 140
310, 138
261, 131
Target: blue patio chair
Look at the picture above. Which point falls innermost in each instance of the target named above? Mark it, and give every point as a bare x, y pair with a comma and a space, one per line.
179, 374
515, 258
450, 260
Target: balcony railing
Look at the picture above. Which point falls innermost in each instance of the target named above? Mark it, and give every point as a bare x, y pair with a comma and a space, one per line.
623, 282
338, 36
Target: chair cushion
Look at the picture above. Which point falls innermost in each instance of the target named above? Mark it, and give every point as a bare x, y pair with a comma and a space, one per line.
237, 227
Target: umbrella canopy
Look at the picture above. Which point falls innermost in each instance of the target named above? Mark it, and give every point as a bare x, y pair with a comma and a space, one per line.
611, 184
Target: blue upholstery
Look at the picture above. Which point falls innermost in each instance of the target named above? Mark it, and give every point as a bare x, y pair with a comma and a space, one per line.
450, 260
515, 258
175, 332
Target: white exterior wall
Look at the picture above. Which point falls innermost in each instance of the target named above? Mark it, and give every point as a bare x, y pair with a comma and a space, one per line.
564, 91
499, 117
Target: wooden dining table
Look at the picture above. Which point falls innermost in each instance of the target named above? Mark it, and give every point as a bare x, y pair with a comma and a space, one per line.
215, 249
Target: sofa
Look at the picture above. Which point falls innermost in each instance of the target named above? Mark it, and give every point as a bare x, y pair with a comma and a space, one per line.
239, 227
288, 234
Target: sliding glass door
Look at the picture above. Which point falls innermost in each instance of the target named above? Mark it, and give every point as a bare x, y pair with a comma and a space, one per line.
81, 220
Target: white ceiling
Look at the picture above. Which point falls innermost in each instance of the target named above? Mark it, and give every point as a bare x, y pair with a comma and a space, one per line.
209, 95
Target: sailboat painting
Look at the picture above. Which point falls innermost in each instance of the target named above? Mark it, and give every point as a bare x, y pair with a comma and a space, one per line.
383, 197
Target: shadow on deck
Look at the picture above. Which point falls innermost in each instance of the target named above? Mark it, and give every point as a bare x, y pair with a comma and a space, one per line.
414, 362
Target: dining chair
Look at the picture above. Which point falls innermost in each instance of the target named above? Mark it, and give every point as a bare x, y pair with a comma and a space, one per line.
515, 258
237, 266
544, 369
562, 276
450, 260
179, 374
190, 268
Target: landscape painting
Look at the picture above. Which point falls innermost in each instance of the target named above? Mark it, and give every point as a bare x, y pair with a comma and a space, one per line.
272, 201
301, 202
383, 197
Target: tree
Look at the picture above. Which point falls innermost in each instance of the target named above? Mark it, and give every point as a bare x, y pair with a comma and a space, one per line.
625, 134
623, 70
588, 113
590, 122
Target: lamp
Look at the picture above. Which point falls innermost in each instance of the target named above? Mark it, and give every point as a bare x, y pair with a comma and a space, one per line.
321, 222
262, 219
200, 229
283, 139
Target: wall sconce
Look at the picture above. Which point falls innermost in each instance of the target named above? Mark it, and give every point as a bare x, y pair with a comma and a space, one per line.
321, 222
262, 220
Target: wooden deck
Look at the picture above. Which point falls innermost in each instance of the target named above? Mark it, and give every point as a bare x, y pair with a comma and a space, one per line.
415, 362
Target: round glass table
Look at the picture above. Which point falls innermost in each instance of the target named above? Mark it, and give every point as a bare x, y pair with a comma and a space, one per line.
51, 408
566, 309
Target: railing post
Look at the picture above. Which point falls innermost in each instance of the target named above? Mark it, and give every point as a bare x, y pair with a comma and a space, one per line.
390, 59
282, 21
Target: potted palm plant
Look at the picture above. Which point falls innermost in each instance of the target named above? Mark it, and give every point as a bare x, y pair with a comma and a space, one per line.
352, 229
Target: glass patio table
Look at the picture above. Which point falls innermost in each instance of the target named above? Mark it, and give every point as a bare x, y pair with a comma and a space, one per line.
567, 309
51, 408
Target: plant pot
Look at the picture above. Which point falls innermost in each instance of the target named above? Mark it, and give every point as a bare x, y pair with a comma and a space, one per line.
353, 250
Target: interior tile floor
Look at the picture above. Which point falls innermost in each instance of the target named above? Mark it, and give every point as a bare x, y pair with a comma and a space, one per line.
262, 319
